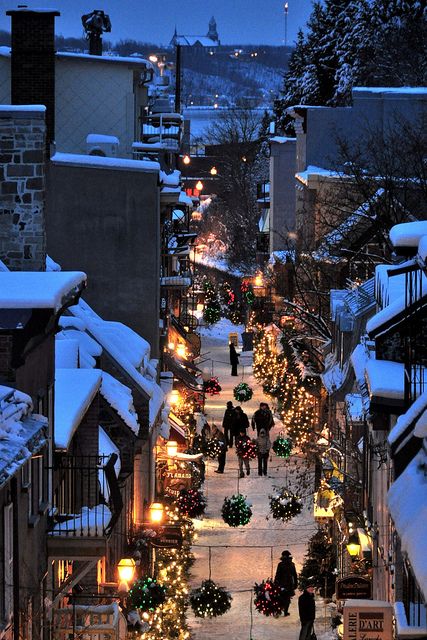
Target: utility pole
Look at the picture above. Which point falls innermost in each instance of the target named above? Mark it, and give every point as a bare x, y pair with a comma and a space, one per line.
286, 7
177, 78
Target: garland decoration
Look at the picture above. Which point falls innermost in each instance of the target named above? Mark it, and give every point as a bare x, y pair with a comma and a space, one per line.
236, 510
243, 392
269, 598
285, 505
146, 594
209, 600
191, 503
212, 386
213, 447
247, 449
282, 447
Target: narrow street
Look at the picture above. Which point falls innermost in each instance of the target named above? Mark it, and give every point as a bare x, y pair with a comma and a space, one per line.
240, 557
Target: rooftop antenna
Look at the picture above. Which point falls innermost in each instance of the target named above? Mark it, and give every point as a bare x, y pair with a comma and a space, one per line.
95, 24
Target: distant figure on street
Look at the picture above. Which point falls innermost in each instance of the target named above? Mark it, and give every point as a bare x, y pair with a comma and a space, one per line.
219, 435
262, 418
307, 611
264, 446
286, 577
242, 437
234, 359
241, 420
227, 424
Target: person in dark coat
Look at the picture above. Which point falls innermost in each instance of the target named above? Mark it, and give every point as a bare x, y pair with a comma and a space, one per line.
286, 577
234, 359
241, 420
218, 435
307, 611
262, 418
227, 424
264, 446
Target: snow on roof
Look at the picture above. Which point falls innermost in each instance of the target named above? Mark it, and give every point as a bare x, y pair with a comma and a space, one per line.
66, 354
171, 179
359, 359
74, 391
287, 255
407, 501
184, 199
88, 348
313, 171
21, 432
334, 376
51, 265
120, 398
282, 139
406, 419
217, 262
408, 234
130, 351
100, 138
38, 289
385, 378
23, 107
100, 162
128, 60
409, 90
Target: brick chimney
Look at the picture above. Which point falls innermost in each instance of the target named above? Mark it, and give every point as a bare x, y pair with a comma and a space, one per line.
33, 61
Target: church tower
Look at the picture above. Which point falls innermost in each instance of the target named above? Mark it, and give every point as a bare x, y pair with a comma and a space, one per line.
213, 33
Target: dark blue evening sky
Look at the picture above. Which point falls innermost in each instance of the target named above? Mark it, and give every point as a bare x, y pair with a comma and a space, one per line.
238, 21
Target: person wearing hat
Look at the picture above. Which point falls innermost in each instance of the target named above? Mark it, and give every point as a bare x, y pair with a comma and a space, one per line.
307, 611
227, 424
286, 577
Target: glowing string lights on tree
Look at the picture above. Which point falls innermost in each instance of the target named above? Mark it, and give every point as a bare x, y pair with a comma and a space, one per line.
236, 511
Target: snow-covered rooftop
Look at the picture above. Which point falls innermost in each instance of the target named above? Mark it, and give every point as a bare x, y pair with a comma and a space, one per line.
74, 391
408, 234
100, 162
407, 90
405, 420
120, 398
23, 107
385, 379
313, 172
38, 289
21, 432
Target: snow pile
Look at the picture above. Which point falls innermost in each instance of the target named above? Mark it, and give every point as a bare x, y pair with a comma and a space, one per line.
120, 398
385, 379
89, 522
74, 391
221, 329
408, 234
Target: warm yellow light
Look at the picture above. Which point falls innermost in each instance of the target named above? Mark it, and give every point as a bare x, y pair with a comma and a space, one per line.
126, 569
171, 346
153, 58
214, 171
174, 396
353, 546
156, 512
199, 185
186, 159
180, 350
172, 448
258, 280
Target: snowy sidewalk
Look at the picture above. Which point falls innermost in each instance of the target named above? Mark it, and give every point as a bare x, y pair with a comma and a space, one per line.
244, 555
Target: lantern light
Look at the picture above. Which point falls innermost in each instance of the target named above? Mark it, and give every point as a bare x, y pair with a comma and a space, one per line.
174, 396
156, 511
353, 545
126, 569
172, 448
199, 185
214, 171
186, 159
180, 350
171, 346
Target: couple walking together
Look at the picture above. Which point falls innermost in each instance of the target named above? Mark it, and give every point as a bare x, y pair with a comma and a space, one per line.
286, 577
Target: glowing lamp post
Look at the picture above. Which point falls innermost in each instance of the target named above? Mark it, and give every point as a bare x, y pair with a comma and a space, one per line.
126, 572
171, 448
353, 546
180, 350
156, 512
174, 397
199, 185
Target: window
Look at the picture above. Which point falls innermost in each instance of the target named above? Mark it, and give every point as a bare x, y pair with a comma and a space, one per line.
8, 562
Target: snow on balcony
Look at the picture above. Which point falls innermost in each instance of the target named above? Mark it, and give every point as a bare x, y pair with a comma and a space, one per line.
39, 289
408, 234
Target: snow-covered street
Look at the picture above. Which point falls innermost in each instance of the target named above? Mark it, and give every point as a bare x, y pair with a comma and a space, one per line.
242, 556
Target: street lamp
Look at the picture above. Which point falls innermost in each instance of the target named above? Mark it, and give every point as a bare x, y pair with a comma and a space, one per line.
186, 159
171, 448
199, 185
353, 545
126, 572
156, 512
214, 171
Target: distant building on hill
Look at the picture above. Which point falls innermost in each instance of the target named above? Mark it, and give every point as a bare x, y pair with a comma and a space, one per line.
209, 40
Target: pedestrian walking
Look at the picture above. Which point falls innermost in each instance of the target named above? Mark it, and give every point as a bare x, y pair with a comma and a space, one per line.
217, 434
286, 577
264, 446
307, 611
234, 359
227, 424
262, 418
242, 438
240, 420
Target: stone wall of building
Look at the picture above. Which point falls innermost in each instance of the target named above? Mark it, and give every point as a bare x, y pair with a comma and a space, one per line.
22, 196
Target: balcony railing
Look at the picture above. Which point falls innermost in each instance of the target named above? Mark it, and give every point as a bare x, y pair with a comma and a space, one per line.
163, 129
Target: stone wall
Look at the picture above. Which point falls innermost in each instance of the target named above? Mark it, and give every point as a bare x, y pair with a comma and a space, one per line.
22, 197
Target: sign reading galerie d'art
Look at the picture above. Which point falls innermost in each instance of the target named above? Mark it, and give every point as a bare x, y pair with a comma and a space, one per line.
368, 620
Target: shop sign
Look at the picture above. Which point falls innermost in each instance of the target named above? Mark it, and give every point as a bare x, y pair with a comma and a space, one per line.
353, 587
168, 537
368, 620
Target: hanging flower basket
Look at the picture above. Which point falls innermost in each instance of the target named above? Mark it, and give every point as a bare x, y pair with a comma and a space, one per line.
269, 598
243, 392
282, 447
191, 503
285, 505
213, 447
209, 600
247, 449
146, 594
212, 386
236, 511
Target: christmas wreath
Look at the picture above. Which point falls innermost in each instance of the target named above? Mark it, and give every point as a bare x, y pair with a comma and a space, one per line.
242, 392
210, 600
146, 594
247, 449
282, 447
236, 510
269, 598
212, 386
213, 447
285, 505
191, 502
